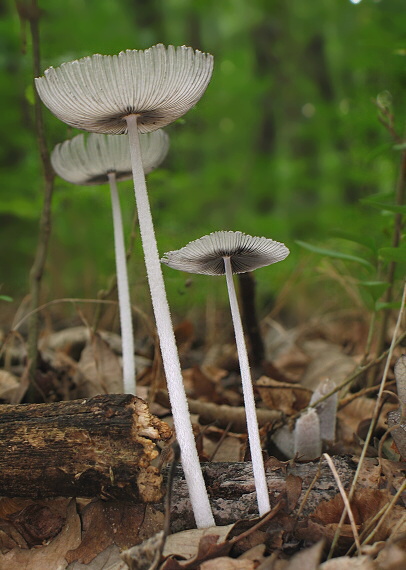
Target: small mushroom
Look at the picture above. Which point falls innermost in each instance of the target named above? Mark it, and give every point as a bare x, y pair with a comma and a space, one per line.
137, 92
102, 159
227, 252
326, 410
307, 439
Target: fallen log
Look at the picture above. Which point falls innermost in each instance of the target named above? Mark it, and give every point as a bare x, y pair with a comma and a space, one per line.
103, 447
96, 447
232, 493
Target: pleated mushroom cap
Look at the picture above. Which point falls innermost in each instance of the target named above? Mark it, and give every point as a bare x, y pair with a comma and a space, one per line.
88, 160
95, 93
206, 255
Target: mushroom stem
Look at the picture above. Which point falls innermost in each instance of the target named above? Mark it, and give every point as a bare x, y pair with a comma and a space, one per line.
127, 337
249, 401
170, 358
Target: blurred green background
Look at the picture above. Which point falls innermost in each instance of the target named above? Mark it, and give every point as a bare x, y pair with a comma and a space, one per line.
284, 142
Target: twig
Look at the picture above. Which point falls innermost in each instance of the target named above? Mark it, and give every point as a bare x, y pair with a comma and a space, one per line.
31, 13
347, 506
386, 117
306, 496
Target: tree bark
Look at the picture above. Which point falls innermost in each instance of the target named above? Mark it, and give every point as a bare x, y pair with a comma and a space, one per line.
232, 494
97, 447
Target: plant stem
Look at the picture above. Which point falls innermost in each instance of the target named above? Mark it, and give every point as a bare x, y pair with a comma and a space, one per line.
249, 401
397, 235
180, 410
32, 14
127, 336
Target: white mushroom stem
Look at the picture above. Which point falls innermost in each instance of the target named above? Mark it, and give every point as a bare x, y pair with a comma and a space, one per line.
180, 409
126, 324
248, 393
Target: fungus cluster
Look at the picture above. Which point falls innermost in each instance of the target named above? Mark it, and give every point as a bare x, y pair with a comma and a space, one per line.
138, 92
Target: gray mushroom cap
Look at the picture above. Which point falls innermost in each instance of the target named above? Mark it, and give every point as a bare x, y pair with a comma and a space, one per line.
88, 160
96, 93
206, 255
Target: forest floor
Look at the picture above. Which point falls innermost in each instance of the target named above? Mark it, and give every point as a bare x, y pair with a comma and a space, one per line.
305, 528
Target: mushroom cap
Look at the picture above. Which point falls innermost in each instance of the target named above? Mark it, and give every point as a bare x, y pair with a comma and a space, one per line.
87, 161
97, 92
206, 255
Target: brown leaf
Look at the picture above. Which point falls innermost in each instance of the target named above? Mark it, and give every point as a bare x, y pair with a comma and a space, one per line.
328, 361
392, 557
346, 563
186, 544
99, 370
308, 559
225, 563
293, 490
53, 554
282, 396
37, 524
106, 523
354, 413
145, 556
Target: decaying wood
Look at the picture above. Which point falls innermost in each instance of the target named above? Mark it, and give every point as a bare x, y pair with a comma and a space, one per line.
232, 491
101, 446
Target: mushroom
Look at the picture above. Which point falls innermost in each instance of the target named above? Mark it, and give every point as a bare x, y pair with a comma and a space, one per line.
136, 92
326, 410
102, 159
227, 252
307, 438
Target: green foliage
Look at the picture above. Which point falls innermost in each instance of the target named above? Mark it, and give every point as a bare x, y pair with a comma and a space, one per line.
283, 144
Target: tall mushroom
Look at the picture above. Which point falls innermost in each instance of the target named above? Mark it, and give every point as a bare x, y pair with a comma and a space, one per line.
137, 92
226, 252
102, 159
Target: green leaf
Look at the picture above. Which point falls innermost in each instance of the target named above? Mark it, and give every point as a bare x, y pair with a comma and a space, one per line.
375, 288
389, 207
364, 240
335, 254
397, 254
6, 298
379, 197
401, 146
393, 305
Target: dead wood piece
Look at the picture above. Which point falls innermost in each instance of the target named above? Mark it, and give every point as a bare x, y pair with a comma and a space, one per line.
232, 490
101, 446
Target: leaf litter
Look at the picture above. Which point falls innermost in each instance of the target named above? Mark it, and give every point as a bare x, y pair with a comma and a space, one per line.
307, 507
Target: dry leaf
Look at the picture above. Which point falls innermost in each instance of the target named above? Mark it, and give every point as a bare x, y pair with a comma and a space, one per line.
282, 396
347, 563
99, 370
308, 559
293, 490
391, 557
328, 361
145, 556
53, 555
9, 385
109, 559
186, 543
225, 563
